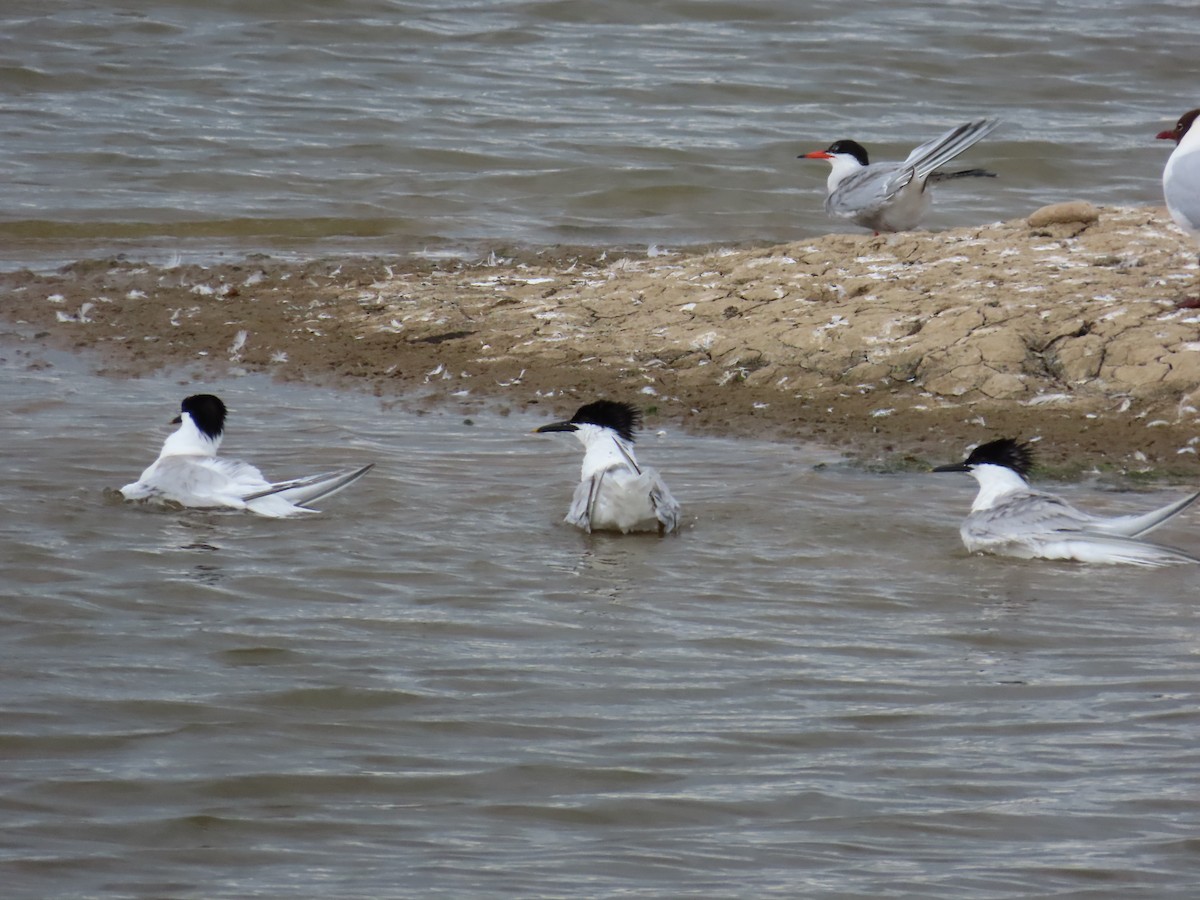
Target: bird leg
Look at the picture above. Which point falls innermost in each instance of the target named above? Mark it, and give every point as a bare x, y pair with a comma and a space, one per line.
1189, 302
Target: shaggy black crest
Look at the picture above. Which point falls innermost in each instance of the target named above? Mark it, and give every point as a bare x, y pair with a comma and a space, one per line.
208, 412
853, 148
620, 417
1003, 452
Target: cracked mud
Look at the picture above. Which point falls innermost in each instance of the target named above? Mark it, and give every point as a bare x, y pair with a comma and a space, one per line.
1071, 326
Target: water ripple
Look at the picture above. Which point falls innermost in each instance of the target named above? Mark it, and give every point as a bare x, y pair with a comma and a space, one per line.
436, 688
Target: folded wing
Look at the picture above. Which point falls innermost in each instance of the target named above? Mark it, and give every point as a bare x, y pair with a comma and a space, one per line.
1033, 524
1103, 548
620, 499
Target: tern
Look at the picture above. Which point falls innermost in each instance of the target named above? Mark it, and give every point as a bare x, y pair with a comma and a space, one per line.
614, 492
893, 196
1181, 178
188, 471
1009, 518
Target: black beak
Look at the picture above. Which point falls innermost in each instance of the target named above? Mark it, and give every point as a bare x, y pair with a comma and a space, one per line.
953, 467
556, 426
178, 420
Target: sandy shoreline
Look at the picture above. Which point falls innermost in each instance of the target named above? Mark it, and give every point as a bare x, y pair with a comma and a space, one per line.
896, 348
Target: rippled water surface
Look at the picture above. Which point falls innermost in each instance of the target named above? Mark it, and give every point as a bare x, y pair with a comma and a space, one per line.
200, 126
436, 689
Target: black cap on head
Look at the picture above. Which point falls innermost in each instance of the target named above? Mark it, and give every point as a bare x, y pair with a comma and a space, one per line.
622, 418
207, 411
851, 148
1007, 452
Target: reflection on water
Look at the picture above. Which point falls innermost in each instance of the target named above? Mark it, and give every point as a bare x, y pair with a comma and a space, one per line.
603, 569
437, 688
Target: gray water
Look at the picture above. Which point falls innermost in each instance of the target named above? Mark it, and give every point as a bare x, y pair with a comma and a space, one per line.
437, 689
201, 127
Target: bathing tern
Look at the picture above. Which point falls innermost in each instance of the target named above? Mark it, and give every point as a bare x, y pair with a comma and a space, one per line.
189, 472
892, 196
1009, 518
614, 492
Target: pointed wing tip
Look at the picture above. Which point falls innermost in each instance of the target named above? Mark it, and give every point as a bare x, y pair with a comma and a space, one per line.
302, 491
1131, 551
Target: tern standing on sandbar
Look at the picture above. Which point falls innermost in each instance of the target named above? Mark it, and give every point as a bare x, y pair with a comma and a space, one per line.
1009, 518
188, 471
893, 196
614, 492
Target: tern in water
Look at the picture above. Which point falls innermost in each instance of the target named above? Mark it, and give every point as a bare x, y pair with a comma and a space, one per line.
614, 492
188, 471
892, 196
1181, 180
1009, 518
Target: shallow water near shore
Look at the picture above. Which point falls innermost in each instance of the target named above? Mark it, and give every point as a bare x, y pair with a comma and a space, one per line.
435, 688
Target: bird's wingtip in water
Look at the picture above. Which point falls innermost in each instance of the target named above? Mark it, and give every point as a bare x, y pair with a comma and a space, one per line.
1181, 182
892, 196
189, 473
615, 493
1008, 518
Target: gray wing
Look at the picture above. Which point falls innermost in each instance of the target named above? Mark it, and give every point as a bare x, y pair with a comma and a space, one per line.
1053, 528
1025, 514
291, 498
239, 477
1133, 525
580, 513
197, 481
666, 507
923, 160
863, 193
1104, 548
1038, 525
313, 487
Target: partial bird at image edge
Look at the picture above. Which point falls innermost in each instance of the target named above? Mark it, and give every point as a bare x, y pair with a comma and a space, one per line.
1009, 518
1181, 182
